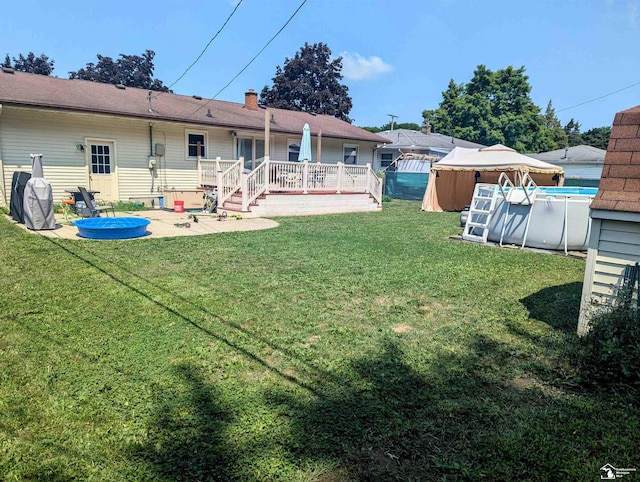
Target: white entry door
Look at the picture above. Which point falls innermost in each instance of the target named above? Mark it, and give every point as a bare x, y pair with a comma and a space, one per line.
101, 158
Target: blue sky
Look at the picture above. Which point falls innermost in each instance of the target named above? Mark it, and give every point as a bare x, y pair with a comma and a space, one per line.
399, 55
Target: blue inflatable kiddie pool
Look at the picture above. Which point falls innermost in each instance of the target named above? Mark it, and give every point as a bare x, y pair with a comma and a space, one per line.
112, 228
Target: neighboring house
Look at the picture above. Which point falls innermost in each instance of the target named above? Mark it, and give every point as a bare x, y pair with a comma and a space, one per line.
582, 164
129, 143
615, 214
403, 141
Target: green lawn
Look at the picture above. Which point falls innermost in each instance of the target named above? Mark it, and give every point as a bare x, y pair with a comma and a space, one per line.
347, 347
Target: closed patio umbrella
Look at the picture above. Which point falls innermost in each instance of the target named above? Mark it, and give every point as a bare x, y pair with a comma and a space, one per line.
305, 144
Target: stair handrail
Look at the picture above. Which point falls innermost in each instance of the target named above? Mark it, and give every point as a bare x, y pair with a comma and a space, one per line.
505, 182
374, 185
529, 184
229, 181
257, 182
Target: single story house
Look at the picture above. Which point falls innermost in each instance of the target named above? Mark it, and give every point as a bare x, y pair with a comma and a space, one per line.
130, 143
406, 141
615, 213
582, 164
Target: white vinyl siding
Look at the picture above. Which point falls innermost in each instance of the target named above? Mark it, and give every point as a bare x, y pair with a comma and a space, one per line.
614, 245
618, 246
55, 135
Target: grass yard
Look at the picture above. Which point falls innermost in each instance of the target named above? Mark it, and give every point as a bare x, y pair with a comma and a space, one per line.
333, 348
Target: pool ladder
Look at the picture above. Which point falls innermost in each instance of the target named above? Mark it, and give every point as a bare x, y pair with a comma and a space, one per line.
525, 195
481, 209
483, 205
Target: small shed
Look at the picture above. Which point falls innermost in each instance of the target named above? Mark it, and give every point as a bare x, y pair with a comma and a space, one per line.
615, 212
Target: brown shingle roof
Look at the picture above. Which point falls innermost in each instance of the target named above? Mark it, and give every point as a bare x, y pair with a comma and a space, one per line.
22, 89
620, 182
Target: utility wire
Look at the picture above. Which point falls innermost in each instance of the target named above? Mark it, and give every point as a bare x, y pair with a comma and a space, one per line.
205, 48
598, 98
252, 60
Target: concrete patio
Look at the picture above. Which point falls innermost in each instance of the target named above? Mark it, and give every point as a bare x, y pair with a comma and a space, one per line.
166, 224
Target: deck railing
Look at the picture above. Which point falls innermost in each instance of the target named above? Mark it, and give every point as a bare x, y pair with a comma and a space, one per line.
287, 177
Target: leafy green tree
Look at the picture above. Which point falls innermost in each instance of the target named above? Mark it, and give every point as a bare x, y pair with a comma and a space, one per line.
573, 133
597, 137
34, 65
129, 70
310, 82
494, 107
412, 126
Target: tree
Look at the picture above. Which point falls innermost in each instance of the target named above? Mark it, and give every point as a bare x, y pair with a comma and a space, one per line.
597, 137
310, 82
573, 133
494, 107
554, 128
129, 70
34, 65
412, 126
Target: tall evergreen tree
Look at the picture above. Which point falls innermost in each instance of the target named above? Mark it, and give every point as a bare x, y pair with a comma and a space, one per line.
597, 137
554, 128
310, 82
573, 133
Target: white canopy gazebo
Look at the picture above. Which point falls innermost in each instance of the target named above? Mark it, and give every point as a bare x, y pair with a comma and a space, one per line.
453, 178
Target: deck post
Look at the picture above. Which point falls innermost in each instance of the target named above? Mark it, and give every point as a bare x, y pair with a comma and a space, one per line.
219, 177
339, 174
245, 192
368, 178
267, 177
305, 176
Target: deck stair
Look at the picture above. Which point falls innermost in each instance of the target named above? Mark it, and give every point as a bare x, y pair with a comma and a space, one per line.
480, 211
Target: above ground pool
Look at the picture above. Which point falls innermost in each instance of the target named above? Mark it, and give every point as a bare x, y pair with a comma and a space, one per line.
112, 228
558, 218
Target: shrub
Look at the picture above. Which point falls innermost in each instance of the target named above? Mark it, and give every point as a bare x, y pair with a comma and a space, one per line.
610, 351
386, 198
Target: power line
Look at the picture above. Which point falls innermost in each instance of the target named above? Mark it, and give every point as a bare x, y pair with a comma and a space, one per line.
598, 98
251, 61
205, 48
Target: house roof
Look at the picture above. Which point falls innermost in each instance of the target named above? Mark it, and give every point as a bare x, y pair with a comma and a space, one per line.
32, 90
572, 155
619, 188
408, 139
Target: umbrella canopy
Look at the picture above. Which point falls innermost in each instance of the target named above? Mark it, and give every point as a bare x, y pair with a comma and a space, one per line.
305, 144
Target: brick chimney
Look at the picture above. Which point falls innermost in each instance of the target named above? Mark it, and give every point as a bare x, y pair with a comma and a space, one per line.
251, 100
426, 128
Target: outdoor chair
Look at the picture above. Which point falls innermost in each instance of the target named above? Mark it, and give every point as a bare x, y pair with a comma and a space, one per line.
93, 209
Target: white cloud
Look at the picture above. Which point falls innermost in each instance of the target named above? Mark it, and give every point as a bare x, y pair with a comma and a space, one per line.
357, 67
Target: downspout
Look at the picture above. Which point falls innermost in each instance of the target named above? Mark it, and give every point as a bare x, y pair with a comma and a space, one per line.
2, 184
151, 169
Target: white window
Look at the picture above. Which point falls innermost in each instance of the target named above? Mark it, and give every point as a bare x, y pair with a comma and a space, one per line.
350, 154
196, 144
386, 158
100, 159
293, 150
